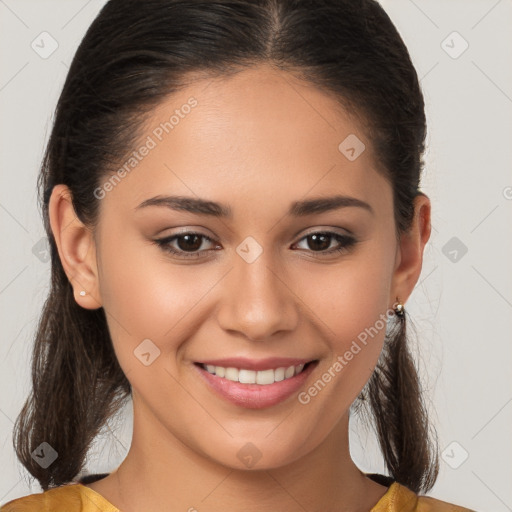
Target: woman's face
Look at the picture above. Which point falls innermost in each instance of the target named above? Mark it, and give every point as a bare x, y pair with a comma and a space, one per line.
257, 283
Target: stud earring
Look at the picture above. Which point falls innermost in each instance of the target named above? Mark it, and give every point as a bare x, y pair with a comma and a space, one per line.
399, 308
82, 293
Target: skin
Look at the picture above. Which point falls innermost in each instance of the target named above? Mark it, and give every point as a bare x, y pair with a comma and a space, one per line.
256, 141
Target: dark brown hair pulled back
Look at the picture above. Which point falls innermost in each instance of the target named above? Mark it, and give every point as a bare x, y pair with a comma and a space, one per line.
137, 52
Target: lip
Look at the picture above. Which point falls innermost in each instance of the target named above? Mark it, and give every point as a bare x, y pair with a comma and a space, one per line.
270, 363
255, 396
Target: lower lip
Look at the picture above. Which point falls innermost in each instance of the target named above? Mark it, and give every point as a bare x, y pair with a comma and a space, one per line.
255, 396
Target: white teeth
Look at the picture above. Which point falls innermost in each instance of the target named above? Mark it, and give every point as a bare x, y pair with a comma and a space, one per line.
231, 374
262, 377
279, 374
247, 376
289, 372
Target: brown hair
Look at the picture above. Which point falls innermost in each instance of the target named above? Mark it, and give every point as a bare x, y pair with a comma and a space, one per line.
136, 53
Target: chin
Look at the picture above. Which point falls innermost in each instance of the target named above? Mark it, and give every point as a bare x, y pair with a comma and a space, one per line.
259, 454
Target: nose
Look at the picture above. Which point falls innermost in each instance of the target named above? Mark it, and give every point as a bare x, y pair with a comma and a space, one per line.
258, 300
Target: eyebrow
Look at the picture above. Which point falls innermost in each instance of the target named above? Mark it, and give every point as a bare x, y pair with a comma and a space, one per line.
211, 208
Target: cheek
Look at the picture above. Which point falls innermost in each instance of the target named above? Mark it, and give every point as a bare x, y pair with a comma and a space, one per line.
351, 304
146, 296
352, 295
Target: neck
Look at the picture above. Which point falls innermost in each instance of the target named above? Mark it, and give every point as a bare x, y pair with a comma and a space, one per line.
168, 475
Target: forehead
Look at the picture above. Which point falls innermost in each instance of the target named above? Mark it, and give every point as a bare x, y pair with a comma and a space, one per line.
258, 134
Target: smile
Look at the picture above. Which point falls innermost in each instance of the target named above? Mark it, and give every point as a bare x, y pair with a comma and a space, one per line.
255, 389
262, 377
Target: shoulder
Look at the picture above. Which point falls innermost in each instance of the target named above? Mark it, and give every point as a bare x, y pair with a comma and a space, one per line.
66, 498
427, 504
401, 499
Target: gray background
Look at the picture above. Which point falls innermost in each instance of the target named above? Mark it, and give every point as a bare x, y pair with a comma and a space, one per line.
462, 305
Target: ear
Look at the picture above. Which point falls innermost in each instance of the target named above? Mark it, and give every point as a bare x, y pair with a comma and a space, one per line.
409, 257
76, 247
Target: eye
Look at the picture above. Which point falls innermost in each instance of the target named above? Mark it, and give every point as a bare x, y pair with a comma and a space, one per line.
190, 243
321, 240
186, 242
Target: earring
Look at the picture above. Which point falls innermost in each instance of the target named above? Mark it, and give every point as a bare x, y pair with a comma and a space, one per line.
82, 293
399, 308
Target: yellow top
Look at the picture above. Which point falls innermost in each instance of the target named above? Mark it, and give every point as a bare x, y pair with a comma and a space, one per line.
79, 498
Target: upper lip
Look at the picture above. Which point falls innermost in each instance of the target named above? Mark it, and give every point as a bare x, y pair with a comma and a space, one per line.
270, 363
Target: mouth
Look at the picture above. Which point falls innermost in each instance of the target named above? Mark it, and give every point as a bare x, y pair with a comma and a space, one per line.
261, 377
255, 389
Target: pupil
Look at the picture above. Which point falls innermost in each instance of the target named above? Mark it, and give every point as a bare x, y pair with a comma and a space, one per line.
187, 246
324, 237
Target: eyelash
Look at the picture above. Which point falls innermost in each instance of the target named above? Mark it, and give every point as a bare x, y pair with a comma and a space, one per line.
347, 243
